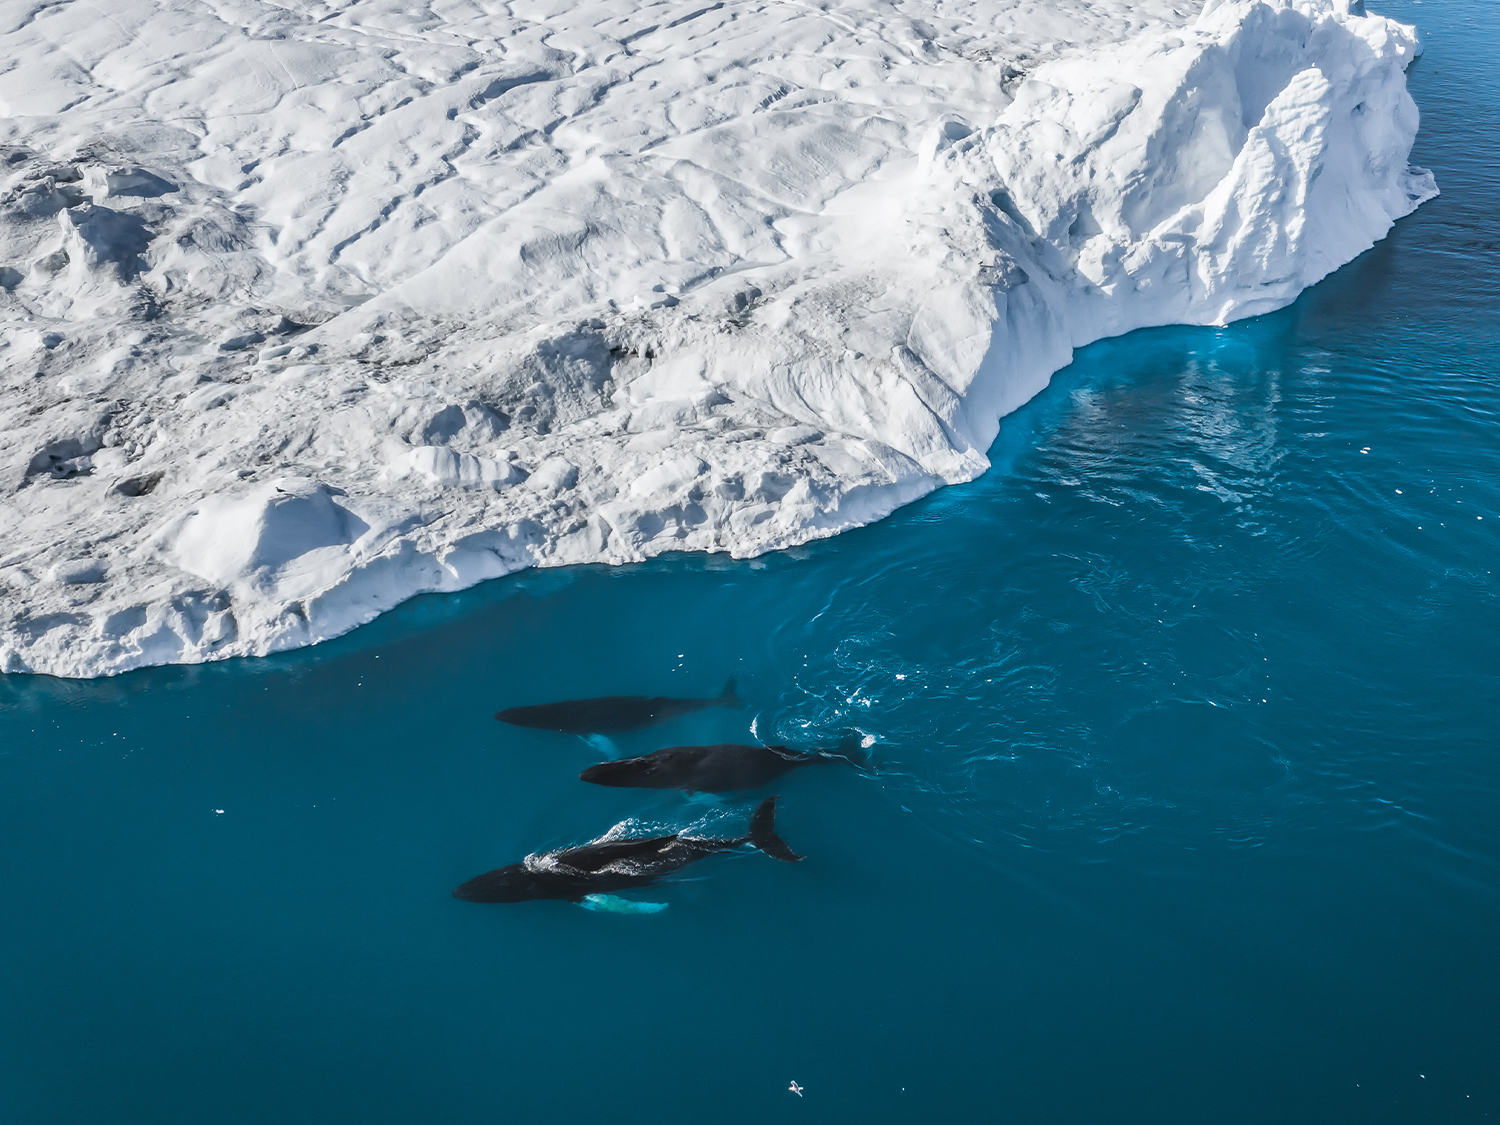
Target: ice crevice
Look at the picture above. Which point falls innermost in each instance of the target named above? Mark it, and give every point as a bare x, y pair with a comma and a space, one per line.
305, 312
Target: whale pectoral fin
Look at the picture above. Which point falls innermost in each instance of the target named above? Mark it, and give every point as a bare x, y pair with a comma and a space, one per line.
602, 744
613, 904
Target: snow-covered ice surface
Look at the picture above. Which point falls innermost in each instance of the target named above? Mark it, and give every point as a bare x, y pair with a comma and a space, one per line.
307, 307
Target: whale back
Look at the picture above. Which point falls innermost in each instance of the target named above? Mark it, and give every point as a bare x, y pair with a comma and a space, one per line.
589, 716
591, 858
610, 713
720, 768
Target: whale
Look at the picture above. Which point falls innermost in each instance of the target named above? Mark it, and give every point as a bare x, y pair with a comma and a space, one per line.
611, 713
721, 768
590, 873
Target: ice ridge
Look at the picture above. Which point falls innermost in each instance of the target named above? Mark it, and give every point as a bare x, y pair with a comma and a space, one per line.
304, 313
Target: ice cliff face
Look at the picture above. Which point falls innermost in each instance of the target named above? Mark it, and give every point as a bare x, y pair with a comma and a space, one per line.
303, 313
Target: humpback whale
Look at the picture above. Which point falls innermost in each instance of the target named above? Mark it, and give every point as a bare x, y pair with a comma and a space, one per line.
611, 712
604, 866
712, 769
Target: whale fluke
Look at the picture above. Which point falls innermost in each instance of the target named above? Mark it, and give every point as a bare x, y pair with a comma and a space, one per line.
763, 833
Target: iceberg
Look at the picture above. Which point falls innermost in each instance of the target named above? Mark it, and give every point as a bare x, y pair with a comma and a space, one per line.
305, 312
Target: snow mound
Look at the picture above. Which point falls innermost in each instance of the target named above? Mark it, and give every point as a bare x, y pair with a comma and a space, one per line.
305, 312
449, 469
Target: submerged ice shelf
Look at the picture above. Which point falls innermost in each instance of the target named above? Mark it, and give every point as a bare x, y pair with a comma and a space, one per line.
305, 312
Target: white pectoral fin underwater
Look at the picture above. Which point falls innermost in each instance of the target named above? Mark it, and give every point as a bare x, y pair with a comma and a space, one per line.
614, 904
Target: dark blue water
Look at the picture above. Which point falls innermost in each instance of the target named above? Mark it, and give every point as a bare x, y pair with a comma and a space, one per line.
1188, 807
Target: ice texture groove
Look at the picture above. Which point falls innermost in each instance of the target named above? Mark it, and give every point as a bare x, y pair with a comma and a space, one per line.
307, 309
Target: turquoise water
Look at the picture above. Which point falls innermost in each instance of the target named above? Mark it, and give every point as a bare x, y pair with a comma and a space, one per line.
1185, 810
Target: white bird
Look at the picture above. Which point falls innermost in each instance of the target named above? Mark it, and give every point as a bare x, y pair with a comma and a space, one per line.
794, 1088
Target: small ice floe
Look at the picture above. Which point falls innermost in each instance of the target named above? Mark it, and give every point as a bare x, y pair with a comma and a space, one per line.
218, 812
794, 1088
